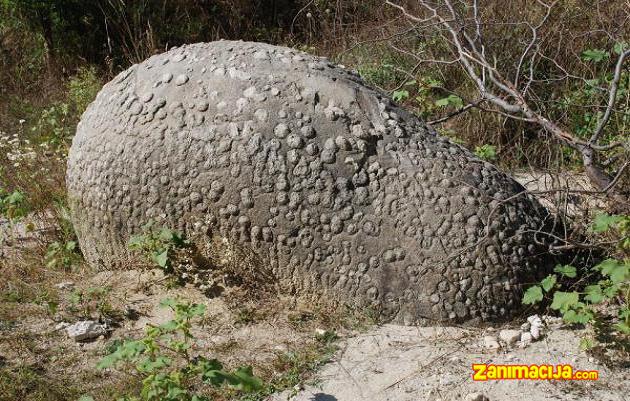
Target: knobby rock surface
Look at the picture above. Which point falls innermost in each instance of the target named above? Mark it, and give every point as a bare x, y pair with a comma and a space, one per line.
324, 180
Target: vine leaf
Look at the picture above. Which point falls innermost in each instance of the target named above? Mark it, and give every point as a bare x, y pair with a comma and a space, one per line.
566, 270
533, 295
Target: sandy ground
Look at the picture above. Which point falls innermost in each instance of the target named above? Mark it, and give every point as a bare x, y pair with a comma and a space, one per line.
435, 363
553, 191
379, 363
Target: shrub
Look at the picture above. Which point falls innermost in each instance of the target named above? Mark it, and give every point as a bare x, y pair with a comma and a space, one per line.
169, 368
93, 300
486, 152
82, 89
158, 244
13, 205
62, 255
579, 297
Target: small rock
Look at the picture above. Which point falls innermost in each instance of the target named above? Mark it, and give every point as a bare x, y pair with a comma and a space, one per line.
526, 326
66, 285
281, 130
476, 397
85, 330
320, 332
532, 318
509, 336
536, 332
491, 342
537, 326
526, 339
62, 325
181, 79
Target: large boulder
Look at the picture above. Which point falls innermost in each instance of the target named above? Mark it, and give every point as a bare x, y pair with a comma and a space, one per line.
339, 191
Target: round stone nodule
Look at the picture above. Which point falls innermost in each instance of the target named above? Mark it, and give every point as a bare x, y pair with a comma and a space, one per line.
329, 184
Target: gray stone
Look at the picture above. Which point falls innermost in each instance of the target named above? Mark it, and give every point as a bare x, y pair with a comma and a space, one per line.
85, 330
491, 342
65, 285
510, 337
61, 325
536, 326
460, 233
526, 338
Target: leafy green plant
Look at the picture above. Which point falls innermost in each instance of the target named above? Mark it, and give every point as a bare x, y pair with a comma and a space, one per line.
575, 103
380, 74
421, 93
62, 255
94, 299
55, 126
326, 337
486, 152
618, 225
578, 306
158, 244
13, 205
82, 89
595, 55
400, 95
606, 282
169, 368
450, 100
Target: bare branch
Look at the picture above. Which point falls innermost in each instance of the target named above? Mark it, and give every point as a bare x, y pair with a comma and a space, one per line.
503, 93
616, 179
534, 31
455, 113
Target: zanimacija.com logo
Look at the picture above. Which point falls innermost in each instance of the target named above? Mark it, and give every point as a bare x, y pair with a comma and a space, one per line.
485, 372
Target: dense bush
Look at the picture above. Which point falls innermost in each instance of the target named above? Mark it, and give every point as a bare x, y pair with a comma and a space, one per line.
43, 42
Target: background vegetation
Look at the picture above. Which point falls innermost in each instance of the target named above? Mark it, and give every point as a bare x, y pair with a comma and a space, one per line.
560, 58
56, 53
